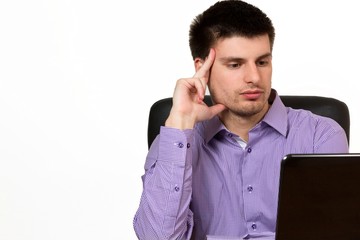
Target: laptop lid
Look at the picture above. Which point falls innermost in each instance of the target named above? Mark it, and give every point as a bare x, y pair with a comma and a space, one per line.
319, 197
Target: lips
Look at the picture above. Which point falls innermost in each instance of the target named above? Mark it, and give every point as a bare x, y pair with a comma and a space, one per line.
252, 94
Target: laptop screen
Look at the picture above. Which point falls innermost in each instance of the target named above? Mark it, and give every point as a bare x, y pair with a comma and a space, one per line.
319, 197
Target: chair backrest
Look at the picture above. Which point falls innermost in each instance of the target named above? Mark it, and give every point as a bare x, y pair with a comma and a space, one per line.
324, 106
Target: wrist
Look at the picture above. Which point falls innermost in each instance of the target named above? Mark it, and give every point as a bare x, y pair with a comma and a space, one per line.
179, 122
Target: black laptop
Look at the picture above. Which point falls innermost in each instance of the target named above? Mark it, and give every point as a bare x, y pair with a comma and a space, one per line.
319, 197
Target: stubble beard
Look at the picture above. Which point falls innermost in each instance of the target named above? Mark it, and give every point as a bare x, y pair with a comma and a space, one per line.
247, 109
242, 108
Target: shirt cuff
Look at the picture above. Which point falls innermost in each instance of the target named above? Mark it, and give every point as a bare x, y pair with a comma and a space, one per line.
174, 144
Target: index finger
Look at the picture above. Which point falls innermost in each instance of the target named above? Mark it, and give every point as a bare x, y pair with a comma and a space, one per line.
204, 69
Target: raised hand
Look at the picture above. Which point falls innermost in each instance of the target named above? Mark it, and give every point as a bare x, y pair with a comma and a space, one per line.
188, 106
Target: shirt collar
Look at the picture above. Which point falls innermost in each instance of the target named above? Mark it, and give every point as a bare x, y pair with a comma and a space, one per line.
211, 128
276, 117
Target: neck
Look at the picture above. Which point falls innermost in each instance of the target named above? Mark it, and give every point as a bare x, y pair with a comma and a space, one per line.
241, 125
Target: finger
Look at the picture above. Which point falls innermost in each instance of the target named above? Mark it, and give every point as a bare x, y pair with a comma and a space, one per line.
194, 85
203, 72
203, 82
200, 86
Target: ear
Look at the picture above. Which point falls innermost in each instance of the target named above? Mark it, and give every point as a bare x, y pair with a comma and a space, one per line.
198, 62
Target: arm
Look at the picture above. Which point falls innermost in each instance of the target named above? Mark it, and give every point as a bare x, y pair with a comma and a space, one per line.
330, 138
164, 207
167, 185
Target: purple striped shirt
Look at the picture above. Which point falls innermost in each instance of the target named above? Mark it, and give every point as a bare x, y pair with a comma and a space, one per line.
202, 182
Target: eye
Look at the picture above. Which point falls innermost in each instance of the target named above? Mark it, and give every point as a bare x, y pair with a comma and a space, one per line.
234, 65
263, 63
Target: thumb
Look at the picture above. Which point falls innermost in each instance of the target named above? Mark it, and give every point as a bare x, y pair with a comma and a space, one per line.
216, 109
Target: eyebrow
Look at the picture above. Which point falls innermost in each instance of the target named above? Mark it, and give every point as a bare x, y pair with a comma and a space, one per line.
238, 59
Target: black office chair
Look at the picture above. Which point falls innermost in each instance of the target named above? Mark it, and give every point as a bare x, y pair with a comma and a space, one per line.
324, 106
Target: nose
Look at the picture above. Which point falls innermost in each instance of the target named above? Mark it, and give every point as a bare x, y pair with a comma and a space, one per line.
252, 74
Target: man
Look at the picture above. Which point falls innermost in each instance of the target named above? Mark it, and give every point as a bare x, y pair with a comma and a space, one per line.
214, 171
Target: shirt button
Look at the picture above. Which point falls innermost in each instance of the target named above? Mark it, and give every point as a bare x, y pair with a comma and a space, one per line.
250, 188
230, 135
177, 188
188, 145
180, 145
249, 150
253, 226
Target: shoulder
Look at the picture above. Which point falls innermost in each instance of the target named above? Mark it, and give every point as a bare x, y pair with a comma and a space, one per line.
325, 133
302, 116
320, 127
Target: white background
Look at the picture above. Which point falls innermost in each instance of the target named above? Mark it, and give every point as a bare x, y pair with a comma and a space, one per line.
77, 79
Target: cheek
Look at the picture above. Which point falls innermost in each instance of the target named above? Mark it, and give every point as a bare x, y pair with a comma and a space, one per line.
213, 79
220, 77
216, 82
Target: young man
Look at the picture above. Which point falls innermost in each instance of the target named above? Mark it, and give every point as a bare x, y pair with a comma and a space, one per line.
214, 171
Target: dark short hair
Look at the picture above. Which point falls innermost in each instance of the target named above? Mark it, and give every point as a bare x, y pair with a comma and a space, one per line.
225, 19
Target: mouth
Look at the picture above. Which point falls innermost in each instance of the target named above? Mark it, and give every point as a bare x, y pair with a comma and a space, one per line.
252, 94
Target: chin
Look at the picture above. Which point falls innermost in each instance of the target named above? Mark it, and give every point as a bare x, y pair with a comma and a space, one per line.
249, 109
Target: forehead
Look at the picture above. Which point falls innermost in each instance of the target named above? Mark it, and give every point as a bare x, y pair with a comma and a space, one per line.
242, 47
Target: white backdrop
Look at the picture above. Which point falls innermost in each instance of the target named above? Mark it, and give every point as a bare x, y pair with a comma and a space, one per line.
77, 79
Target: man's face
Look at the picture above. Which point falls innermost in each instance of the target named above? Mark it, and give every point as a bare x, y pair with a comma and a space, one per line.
240, 77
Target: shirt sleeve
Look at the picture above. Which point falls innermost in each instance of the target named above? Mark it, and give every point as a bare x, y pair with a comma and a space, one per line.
330, 138
164, 211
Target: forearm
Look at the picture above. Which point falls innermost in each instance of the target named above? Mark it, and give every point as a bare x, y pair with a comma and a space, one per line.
164, 208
